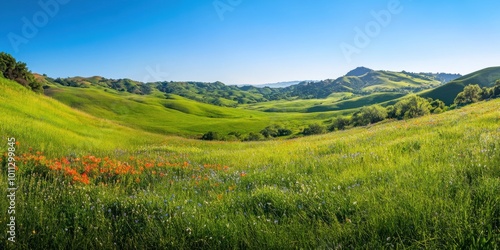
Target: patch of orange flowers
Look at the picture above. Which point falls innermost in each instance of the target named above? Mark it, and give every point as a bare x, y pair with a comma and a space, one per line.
87, 169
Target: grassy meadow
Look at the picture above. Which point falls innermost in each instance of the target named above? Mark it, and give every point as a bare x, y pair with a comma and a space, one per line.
85, 182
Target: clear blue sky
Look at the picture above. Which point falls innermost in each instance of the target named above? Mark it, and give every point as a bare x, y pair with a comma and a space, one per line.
248, 41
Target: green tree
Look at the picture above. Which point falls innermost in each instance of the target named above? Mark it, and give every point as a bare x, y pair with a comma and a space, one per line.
339, 123
436, 106
253, 137
496, 89
411, 107
18, 71
368, 115
211, 136
471, 93
314, 129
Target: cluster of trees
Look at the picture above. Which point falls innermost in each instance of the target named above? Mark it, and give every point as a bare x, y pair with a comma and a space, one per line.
473, 93
18, 71
214, 93
409, 107
125, 85
271, 131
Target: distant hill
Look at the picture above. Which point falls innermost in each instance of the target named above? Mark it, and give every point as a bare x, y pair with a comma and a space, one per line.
364, 81
360, 81
359, 71
448, 92
279, 84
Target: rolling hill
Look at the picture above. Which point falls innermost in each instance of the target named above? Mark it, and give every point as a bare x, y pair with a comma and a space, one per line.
448, 92
360, 81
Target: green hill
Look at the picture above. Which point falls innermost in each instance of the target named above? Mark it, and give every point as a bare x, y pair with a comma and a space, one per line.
48, 125
448, 92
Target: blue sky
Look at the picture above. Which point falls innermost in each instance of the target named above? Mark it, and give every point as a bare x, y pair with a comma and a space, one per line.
249, 41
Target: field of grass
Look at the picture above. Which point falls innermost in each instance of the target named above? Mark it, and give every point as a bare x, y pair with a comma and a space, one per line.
88, 183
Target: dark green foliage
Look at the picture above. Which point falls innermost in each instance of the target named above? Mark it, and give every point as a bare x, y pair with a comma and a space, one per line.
314, 129
437, 106
470, 94
211, 136
496, 89
124, 85
368, 115
275, 131
339, 123
19, 72
411, 107
254, 137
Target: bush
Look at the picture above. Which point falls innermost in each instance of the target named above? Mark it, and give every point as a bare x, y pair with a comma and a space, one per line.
470, 94
275, 131
211, 136
314, 129
339, 123
411, 107
436, 106
254, 137
368, 115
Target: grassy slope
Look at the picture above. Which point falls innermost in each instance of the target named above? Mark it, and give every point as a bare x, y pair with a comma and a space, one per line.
395, 80
48, 125
431, 182
448, 92
176, 115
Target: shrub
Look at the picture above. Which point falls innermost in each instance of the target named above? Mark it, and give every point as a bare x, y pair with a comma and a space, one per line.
411, 107
254, 137
339, 123
275, 131
314, 129
470, 94
368, 115
211, 136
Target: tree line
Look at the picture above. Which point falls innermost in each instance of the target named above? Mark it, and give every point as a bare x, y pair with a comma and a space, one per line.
19, 72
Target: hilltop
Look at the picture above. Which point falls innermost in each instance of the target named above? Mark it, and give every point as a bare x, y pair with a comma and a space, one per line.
448, 92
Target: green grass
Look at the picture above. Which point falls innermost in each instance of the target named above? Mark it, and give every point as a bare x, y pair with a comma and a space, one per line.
299, 105
431, 183
177, 115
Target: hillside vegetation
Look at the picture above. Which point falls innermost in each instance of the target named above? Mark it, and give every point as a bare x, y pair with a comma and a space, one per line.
448, 92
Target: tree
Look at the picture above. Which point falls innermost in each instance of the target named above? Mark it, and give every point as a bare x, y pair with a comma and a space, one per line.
314, 129
18, 71
339, 123
253, 137
275, 131
211, 136
471, 93
368, 115
496, 89
411, 107
436, 106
